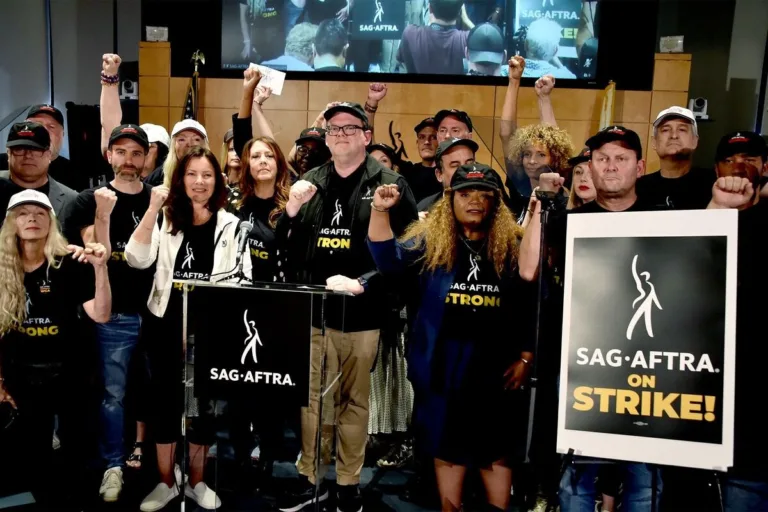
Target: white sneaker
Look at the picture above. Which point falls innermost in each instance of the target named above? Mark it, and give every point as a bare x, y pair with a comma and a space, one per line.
203, 496
159, 498
111, 484
56, 442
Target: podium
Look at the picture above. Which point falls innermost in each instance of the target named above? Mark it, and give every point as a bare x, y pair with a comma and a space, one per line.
256, 356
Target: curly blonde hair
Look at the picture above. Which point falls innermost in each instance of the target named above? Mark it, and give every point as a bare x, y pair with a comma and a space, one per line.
439, 235
13, 295
555, 139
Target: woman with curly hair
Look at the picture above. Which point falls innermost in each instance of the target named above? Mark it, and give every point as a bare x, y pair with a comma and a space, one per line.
461, 263
44, 286
535, 149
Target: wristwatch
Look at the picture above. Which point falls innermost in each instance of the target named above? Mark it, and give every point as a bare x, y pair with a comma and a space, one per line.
363, 282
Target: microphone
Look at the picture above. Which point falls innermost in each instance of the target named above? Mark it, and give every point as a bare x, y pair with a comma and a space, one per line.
245, 229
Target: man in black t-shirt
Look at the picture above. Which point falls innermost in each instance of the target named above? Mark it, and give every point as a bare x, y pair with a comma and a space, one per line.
677, 183
743, 155
325, 227
617, 162
109, 215
421, 176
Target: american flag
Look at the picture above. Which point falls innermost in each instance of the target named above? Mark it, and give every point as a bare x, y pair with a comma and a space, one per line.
190, 105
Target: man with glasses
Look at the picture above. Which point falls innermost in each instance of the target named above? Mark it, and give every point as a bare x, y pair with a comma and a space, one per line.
29, 158
325, 228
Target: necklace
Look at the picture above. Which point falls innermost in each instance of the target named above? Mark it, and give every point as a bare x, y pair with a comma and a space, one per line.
475, 253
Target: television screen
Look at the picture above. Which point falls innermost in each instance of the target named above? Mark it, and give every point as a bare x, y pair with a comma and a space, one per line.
433, 37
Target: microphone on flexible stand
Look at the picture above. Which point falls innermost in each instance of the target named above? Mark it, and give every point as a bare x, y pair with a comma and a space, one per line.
242, 246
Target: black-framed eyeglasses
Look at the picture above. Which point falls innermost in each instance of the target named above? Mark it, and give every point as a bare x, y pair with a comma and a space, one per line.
303, 150
22, 150
349, 129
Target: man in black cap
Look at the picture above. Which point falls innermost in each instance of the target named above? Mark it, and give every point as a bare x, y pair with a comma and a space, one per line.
453, 124
310, 150
421, 176
451, 154
53, 121
325, 228
743, 155
485, 50
29, 158
109, 215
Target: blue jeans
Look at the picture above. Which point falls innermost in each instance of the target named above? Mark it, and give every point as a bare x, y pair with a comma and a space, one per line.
117, 340
291, 15
579, 490
745, 495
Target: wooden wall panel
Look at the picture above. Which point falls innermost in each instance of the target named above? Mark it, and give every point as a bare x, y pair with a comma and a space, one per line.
632, 107
671, 75
153, 91
177, 91
420, 99
651, 158
666, 99
154, 115
154, 59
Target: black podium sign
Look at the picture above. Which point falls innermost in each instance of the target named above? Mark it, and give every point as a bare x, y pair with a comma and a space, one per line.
648, 361
251, 343
378, 19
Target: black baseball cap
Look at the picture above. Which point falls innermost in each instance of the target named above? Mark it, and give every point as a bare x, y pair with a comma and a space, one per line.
585, 155
750, 143
311, 133
458, 114
486, 44
229, 136
475, 176
48, 110
350, 108
429, 121
613, 134
388, 150
451, 143
28, 134
130, 131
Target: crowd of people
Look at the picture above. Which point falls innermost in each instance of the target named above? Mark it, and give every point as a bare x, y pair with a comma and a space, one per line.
421, 362
438, 37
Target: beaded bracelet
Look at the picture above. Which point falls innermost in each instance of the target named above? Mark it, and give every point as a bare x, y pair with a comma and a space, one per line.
109, 79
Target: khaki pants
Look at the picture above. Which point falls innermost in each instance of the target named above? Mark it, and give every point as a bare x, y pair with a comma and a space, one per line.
352, 354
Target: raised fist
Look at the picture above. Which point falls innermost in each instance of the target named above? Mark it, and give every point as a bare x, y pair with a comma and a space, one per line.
516, 67
301, 192
251, 77
158, 197
550, 182
386, 197
731, 192
376, 93
96, 254
110, 63
105, 202
544, 85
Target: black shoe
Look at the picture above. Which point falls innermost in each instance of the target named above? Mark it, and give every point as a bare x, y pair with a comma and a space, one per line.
303, 496
349, 499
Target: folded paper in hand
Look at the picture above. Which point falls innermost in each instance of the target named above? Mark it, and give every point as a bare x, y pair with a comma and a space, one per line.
270, 78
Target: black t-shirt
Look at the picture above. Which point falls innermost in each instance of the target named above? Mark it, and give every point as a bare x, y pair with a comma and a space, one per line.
692, 191
9, 188
333, 250
49, 336
130, 286
262, 243
194, 261
317, 11
421, 179
473, 305
63, 171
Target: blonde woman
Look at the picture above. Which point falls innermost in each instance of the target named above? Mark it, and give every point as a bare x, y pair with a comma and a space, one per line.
44, 284
462, 264
185, 135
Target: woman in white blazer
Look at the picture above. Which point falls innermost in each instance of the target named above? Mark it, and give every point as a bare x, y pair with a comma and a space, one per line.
195, 239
